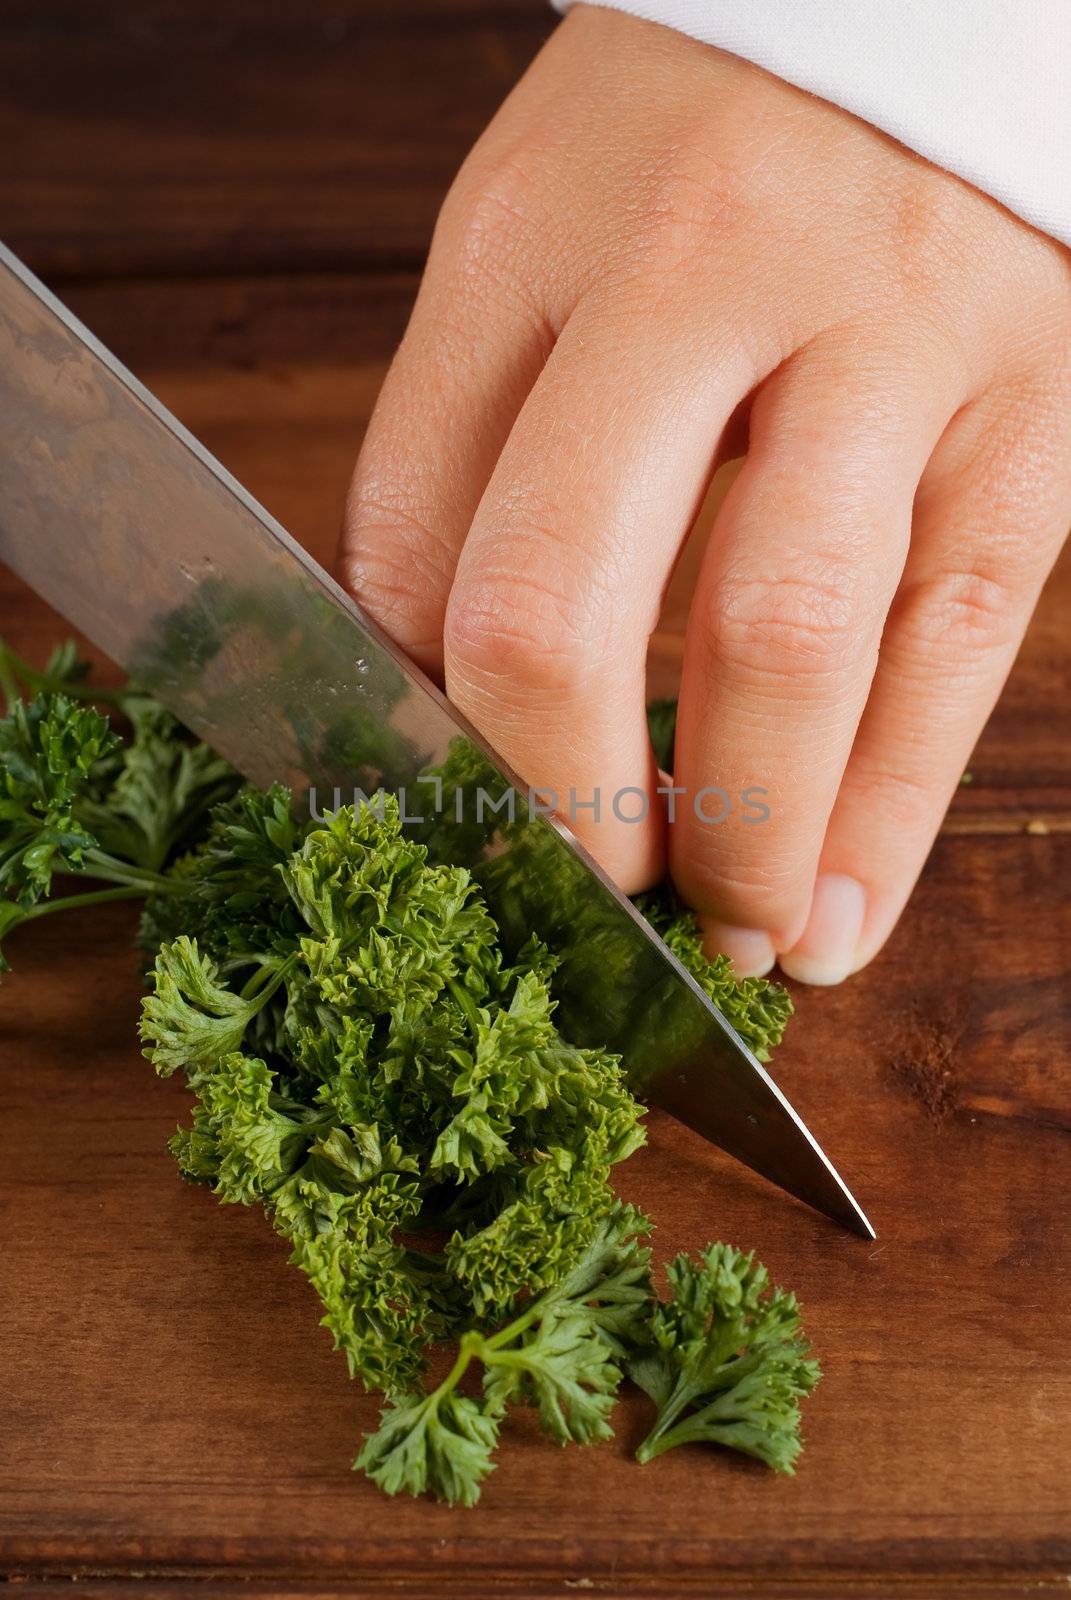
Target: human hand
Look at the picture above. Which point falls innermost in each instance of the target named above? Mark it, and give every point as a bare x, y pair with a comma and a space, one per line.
656, 254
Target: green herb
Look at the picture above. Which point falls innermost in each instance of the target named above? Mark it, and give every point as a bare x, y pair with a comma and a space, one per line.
78, 801
150, 801
410, 1080
380, 1065
758, 1008
47, 751
558, 1354
725, 1363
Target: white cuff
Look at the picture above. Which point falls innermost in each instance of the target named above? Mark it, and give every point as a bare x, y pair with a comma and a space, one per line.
979, 87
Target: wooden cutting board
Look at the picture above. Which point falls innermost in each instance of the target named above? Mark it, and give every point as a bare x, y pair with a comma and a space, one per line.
171, 1418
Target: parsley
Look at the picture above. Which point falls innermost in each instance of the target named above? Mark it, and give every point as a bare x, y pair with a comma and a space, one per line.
47, 750
379, 1063
725, 1363
558, 1355
410, 1081
78, 801
758, 1008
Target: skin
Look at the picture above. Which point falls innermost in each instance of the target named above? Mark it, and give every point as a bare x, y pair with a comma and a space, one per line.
658, 257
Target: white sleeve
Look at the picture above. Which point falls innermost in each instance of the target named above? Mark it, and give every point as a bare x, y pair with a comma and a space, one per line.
980, 87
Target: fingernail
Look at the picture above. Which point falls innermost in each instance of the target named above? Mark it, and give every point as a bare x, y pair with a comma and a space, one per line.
749, 949
825, 953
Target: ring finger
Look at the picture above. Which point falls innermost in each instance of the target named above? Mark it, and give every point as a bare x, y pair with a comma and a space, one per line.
990, 516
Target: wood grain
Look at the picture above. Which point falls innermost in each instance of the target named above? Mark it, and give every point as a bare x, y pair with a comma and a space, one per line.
236, 196
173, 1407
164, 138
769, 1585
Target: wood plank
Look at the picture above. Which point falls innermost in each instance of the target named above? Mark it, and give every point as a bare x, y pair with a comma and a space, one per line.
220, 138
173, 1409
798, 1585
246, 324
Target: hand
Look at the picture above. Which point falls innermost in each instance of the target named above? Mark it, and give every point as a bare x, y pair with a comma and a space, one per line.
655, 254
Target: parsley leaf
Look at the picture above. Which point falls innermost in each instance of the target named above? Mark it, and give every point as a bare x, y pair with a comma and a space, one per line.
191, 1019
725, 1362
758, 1008
48, 748
77, 799
440, 1443
152, 798
560, 1354
557, 1355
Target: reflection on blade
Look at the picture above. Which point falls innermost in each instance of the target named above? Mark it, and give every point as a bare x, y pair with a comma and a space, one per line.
124, 523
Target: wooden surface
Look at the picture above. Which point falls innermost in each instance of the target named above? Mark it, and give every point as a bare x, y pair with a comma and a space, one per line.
237, 200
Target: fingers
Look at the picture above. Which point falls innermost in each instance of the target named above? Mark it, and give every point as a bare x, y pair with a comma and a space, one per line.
559, 584
990, 516
474, 347
784, 630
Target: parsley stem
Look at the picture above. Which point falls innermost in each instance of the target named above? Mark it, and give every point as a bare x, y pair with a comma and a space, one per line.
13, 667
267, 978
506, 1335
471, 1344
70, 902
8, 683
664, 1436
658, 1441
111, 870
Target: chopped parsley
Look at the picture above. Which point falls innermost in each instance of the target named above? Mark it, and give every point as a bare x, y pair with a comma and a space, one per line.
371, 1068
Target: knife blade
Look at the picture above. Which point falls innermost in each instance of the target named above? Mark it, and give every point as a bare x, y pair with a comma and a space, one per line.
126, 525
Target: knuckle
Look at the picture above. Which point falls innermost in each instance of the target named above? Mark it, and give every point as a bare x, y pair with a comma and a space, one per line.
397, 569
903, 791
925, 230
764, 892
958, 612
520, 633
686, 196
492, 247
491, 206
807, 621
1024, 460
765, 883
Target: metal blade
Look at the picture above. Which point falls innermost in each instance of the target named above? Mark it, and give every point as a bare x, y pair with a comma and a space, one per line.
125, 524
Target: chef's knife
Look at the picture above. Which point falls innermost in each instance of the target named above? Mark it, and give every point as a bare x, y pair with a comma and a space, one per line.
126, 525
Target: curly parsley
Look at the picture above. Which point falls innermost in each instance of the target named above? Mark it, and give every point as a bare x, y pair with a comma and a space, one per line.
369, 1067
